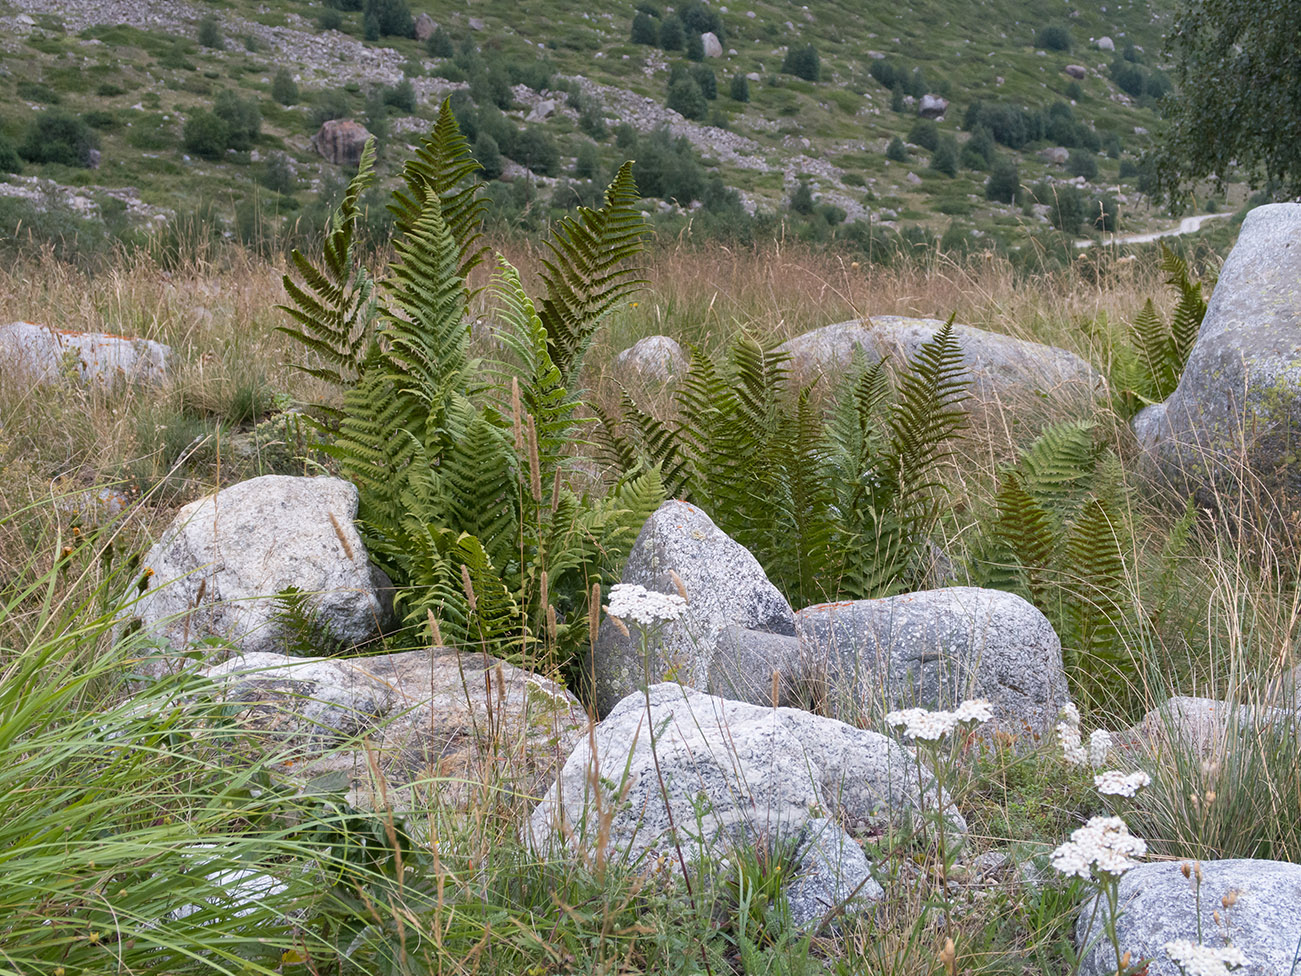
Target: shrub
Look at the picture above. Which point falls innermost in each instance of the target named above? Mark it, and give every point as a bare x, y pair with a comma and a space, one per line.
673, 34
667, 167
1074, 92
283, 88
243, 119
56, 136
488, 153
591, 122
210, 33
332, 103
439, 44
10, 162
686, 98
1129, 77
701, 19
1004, 184
925, 133
1054, 37
401, 96
801, 201
206, 134
896, 98
99, 119
278, 175
587, 162
945, 158
978, 151
884, 72
393, 17
1082, 163
37, 91
695, 46
329, 19
536, 148
370, 29
490, 85
1103, 212
739, 89
896, 151
645, 29
1065, 205
802, 62
704, 76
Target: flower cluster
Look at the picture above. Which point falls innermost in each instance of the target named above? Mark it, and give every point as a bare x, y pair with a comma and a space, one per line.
1104, 845
1115, 783
1200, 960
918, 723
1068, 735
631, 601
1099, 748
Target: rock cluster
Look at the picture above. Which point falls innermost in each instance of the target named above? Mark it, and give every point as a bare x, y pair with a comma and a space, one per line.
42, 354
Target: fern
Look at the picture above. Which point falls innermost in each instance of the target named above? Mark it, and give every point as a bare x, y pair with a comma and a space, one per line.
1028, 539
587, 273
335, 305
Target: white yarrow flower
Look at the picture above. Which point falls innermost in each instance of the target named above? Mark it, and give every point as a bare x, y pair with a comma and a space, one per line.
975, 710
918, 723
1199, 960
1115, 783
632, 601
1068, 736
1104, 844
1099, 748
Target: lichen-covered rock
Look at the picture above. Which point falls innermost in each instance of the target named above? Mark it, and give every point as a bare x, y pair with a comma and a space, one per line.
656, 357
1001, 367
40, 354
341, 141
218, 568
433, 721
730, 774
1240, 393
712, 46
745, 663
424, 27
1159, 905
724, 585
934, 649
1200, 727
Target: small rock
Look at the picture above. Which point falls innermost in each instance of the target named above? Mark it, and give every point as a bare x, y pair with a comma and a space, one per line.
1105, 44
1057, 155
1077, 71
932, 107
656, 357
425, 27
41, 354
542, 111
476, 24
341, 141
713, 47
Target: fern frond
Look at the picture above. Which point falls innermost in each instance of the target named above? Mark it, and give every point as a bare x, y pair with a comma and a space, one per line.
334, 307
614, 448
587, 274
661, 445
1059, 464
1095, 575
444, 168
1028, 540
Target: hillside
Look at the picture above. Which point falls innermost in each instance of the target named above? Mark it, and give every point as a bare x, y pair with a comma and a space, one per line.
565, 91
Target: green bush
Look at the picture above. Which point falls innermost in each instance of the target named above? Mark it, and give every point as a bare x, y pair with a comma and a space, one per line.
439, 44
1082, 163
536, 148
801, 201
1103, 212
209, 34
884, 72
330, 103
896, 151
897, 103
945, 158
278, 174
1074, 92
401, 96
978, 152
694, 47
704, 76
686, 98
206, 134
1053, 37
645, 29
666, 167
100, 119
329, 19
243, 119
739, 90
925, 133
283, 88
56, 136
10, 161
701, 19
392, 17
673, 34
1065, 205
1004, 182
587, 162
802, 62
37, 91
488, 154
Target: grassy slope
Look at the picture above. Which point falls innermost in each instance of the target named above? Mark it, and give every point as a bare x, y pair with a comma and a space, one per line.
149, 80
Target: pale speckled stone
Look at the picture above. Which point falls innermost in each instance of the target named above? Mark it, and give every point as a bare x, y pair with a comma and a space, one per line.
725, 585
656, 357
435, 722
1242, 383
1159, 905
1200, 726
1001, 367
936, 648
220, 564
733, 773
41, 354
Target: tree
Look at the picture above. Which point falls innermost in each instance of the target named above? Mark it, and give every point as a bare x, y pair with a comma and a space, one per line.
1004, 181
802, 199
802, 62
686, 98
439, 44
945, 158
1236, 63
708, 81
695, 46
1082, 163
925, 133
283, 87
56, 136
242, 117
206, 135
740, 88
392, 17
673, 35
645, 29
488, 154
1054, 37
210, 32
896, 151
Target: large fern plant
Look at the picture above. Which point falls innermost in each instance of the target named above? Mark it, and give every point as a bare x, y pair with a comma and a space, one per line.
835, 503
462, 465
1148, 368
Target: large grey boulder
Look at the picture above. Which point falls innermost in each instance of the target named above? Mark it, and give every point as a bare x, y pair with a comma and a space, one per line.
1200, 727
932, 107
341, 141
1001, 367
434, 722
1159, 905
724, 585
656, 357
219, 566
731, 774
712, 45
935, 649
1240, 393
425, 27
40, 354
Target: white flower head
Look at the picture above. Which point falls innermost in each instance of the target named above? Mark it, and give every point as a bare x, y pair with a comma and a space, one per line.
1115, 783
918, 723
632, 601
1099, 748
975, 710
1068, 736
1199, 960
1070, 714
1104, 845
